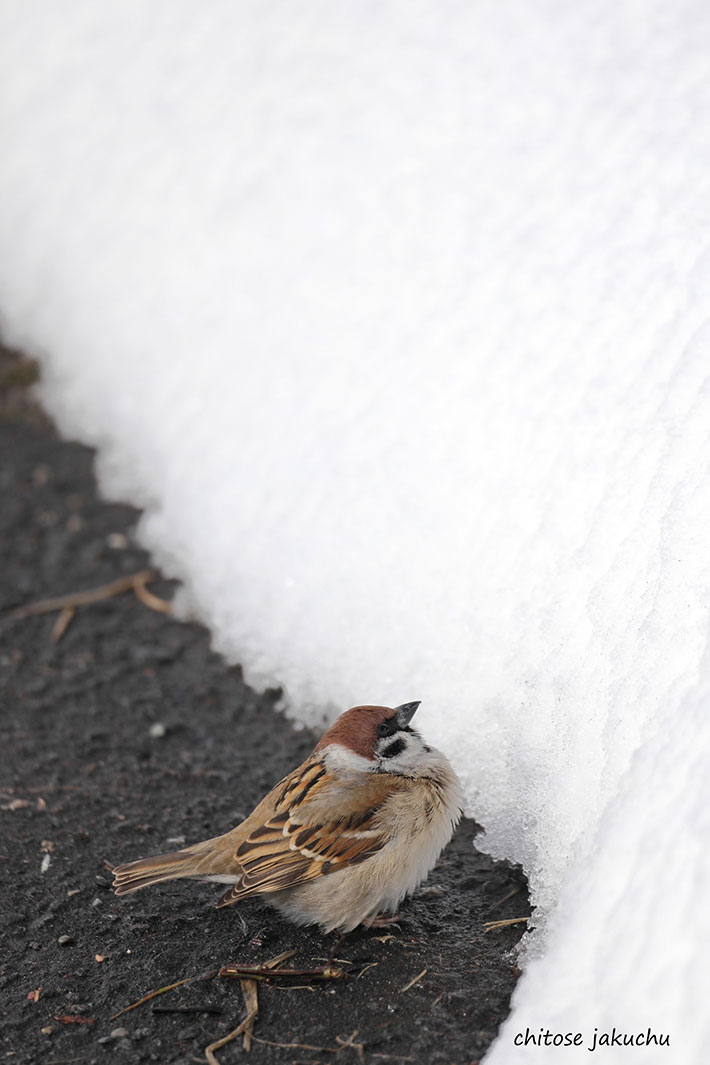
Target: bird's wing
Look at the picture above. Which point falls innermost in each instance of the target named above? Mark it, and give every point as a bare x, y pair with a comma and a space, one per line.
299, 838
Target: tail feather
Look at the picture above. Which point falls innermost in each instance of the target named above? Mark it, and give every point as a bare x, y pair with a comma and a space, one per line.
197, 862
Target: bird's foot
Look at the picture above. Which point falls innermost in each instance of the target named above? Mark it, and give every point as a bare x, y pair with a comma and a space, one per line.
383, 920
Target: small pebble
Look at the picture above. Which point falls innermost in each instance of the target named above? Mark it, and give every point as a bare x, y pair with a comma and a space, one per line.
47, 1030
40, 475
141, 1033
119, 1033
157, 731
117, 541
104, 1040
96, 902
63, 941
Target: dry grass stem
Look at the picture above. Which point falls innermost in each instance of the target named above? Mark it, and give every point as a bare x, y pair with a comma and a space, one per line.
416, 980
491, 926
505, 898
150, 995
297, 1046
218, 1043
359, 1048
62, 623
251, 1002
154, 602
274, 963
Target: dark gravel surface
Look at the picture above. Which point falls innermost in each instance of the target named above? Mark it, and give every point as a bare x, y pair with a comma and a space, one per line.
83, 778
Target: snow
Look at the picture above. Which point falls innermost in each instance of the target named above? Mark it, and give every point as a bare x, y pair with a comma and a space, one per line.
394, 318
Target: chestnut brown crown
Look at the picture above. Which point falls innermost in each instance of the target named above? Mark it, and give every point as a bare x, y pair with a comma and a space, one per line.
360, 728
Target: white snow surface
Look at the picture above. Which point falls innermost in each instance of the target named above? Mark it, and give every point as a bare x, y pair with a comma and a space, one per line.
394, 319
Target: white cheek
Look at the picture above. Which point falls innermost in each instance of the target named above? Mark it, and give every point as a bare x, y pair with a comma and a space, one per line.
404, 762
416, 760
342, 758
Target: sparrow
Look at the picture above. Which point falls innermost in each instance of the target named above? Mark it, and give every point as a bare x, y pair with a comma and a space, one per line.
342, 839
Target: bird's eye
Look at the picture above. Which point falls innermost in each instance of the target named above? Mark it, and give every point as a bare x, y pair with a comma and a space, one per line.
383, 729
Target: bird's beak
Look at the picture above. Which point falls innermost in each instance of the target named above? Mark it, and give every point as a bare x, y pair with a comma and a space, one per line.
405, 713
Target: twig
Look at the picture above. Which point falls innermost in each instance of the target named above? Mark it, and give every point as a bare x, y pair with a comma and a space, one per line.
416, 980
491, 926
67, 604
209, 1051
250, 990
87, 598
261, 972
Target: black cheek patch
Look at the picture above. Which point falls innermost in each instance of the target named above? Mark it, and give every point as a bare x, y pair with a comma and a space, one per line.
394, 749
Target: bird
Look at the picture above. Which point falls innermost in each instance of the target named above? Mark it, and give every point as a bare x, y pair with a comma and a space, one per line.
341, 840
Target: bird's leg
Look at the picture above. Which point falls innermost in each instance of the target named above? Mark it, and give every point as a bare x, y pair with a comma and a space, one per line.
340, 939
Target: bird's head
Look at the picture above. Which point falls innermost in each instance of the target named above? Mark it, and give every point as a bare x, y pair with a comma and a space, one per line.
376, 739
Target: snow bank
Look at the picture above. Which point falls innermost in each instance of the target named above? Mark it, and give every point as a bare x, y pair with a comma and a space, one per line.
394, 318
